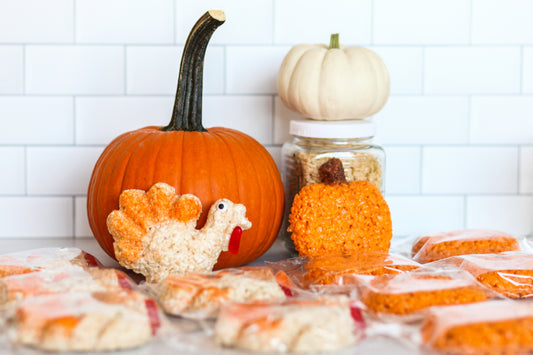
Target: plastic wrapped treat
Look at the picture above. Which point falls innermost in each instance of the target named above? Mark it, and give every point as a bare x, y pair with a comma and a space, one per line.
343, 269
509, 274
85, 321
491, 328
296, 325
61, 280
200, 296
44, 258
462, 242
410, 293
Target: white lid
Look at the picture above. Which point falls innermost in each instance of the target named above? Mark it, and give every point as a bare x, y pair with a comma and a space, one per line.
332, 129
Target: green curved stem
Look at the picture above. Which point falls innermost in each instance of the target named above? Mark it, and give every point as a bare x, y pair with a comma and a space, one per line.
187, 112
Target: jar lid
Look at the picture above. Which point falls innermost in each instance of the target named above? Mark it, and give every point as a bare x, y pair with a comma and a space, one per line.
332, 129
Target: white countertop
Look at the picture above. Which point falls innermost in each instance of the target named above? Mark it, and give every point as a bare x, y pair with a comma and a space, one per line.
376, 346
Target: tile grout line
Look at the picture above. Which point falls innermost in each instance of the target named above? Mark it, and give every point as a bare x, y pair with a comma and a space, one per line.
74, 21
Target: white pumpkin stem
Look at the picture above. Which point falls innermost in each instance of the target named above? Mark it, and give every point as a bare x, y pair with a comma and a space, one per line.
334, 41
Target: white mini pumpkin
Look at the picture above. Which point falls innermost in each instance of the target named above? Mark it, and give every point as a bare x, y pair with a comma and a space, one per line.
333, 83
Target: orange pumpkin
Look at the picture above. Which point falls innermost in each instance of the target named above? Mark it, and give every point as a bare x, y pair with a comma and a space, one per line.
209, 163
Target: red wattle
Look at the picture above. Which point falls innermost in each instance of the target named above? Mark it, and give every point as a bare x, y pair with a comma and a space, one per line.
235, 240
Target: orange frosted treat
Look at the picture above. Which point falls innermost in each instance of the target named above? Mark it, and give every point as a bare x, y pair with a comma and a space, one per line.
296, 325
411, 292
44, 258
61, 280
461, 242
491, 328
509, 274
337, 269
85, 321
201, 295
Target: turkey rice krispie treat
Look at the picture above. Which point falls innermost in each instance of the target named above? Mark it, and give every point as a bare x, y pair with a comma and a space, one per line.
295, 325
461, 242
155, 233
199, 296
61, 280
85, 321
491, 328
415, 291
44, 258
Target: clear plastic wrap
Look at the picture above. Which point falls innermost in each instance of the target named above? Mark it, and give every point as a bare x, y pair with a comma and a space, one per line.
199, 296
492, 328
307, 273
44, 258
439, 246
69, 278
509, 274
413, 292
296, 325
85, 321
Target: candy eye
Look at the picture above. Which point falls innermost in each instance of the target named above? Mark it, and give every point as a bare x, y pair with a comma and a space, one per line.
222, 206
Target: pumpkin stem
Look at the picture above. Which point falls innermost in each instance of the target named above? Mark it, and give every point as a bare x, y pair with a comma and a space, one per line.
332, 172
334, 41
187, 113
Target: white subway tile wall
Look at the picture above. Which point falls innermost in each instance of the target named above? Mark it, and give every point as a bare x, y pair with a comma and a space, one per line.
457, 129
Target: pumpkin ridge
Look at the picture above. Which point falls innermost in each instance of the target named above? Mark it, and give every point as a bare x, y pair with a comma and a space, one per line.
97, 207
293, 82
156, 156
321, 108
134, 154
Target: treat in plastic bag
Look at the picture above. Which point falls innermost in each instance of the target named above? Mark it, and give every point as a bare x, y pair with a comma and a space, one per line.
296, 325
509, 274
60, 280
411, 292
492, 328
342, 269
461, 242
85, 321
44, 258
199, 296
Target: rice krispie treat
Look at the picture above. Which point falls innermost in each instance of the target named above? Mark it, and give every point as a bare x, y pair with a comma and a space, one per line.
201, 295
337, 269
411, 292
155, 233
85, 321
292, 326
44, 258
509, 274
461, 242
491, 328
61, 280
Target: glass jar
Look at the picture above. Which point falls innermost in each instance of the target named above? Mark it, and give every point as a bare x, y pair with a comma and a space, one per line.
313, 143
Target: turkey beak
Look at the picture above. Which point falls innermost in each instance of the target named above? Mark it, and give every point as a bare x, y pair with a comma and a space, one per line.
246, 224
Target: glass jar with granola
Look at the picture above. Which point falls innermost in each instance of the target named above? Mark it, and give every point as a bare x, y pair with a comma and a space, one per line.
315, 142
